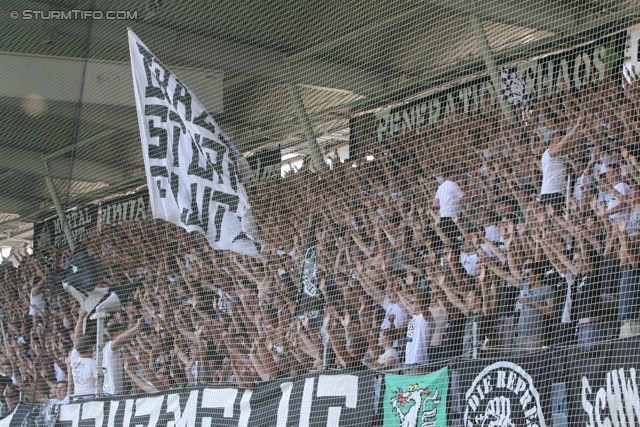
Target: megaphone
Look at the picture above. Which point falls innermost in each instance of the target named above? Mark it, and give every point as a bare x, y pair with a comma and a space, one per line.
110, 305
88, 300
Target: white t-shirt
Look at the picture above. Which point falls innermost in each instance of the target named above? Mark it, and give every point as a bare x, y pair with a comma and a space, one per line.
389, 309
449, 195
492, 234
601, 166
469, 262
566, 311
613, 200
38, 301
56, 401
83, 370
418, 336
113, 369
553, 174
581, 184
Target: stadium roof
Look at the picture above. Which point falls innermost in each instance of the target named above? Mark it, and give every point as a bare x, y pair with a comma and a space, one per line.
66, 102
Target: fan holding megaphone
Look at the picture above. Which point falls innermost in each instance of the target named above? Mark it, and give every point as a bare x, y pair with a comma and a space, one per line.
83, 274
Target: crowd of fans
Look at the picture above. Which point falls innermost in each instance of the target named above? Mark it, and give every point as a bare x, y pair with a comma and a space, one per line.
456, 239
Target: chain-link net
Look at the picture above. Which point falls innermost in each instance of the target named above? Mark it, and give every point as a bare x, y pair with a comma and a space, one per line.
390, 213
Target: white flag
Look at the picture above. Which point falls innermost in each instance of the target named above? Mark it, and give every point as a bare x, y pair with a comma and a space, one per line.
195, 174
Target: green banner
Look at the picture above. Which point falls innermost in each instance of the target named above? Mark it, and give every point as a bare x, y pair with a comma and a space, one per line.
416, 401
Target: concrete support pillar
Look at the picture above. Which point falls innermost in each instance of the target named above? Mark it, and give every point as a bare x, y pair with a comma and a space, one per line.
303, 119
60, 211
490, 64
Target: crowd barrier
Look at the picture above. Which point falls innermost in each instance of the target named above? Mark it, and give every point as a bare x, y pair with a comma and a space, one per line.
553, 387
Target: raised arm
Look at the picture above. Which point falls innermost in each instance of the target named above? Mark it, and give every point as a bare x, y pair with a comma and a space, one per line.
556, 149
123, 337
77, 334
136, 380
451, 295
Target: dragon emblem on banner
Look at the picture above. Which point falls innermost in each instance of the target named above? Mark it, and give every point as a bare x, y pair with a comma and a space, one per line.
407, 405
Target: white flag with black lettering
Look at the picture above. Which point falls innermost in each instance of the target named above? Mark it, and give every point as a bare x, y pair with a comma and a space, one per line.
195, 174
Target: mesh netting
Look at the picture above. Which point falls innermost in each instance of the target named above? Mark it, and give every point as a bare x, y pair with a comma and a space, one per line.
348, 213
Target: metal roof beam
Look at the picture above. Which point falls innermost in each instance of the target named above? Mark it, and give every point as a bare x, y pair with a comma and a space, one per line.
17, 205
30, 162
548, 15
545, 15
171, 45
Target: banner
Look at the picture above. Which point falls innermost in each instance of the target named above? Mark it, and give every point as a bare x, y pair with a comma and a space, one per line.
417, 401
131, 207
571, 70
50, 232
309, 299
602, 385
508, 392
341, 398
520, 84
415, 114
195, 174
29, 415
266, 164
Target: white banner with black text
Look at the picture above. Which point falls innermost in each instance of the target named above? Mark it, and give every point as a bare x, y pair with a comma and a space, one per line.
196, 176
342, 398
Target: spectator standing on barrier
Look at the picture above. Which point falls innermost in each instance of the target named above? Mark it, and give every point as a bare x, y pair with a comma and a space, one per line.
112, 364
389, 358
472, 309
83, 365
554, 169
440, 317
447, 200
418, 331
37, 302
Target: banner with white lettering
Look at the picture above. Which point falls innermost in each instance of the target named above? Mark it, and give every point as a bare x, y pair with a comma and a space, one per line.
131, 207
512, 391
266, 164
50, 232
572, 70
419, 401
339, 398
575, 69
196, 176
417, 114
602, 385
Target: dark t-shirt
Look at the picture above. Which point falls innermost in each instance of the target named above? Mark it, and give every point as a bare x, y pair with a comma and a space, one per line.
481, 332
609, 276
629, 296
585, 298
508, 298
454, 336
